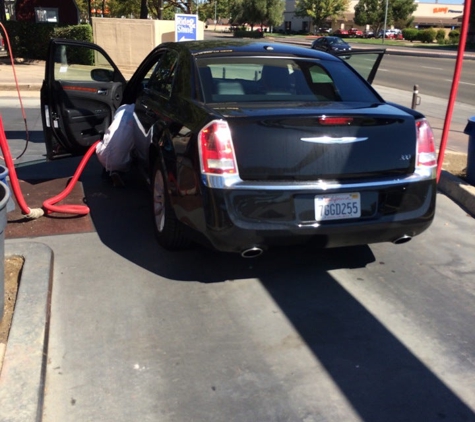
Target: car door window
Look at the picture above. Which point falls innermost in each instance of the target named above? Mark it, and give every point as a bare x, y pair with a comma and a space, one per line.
79, 63
319, 75
161, 79
365, 62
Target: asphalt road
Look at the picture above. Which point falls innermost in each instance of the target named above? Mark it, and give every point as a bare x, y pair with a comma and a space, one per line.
380, 333
432, 75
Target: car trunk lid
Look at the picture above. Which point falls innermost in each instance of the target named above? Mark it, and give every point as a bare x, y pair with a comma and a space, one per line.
336, 141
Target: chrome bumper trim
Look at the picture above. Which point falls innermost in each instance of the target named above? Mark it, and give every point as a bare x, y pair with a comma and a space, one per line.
236, 183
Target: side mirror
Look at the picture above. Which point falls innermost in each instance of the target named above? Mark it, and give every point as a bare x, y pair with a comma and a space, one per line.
102, 75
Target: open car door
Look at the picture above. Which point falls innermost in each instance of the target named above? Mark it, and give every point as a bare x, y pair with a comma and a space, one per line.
81, 90
365, 61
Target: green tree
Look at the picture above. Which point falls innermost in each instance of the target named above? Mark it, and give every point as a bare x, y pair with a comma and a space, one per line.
275, 12
156, 9
254, 12
237, 10
214, 9
83, 6
258, 12
182, 6
320, 10
402, 10
127, 8
373, 12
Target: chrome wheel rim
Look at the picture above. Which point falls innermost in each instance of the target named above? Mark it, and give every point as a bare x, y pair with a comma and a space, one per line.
159, 201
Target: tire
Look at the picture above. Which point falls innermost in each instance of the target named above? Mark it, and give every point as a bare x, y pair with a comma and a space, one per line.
168, 230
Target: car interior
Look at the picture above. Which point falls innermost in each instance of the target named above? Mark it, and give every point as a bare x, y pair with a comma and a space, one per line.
269, 82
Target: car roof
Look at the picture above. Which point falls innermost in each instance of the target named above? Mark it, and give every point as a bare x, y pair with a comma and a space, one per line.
240, 47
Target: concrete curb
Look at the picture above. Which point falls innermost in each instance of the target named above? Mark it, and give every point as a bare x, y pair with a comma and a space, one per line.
390, 51
22, 379
21, 87
458, 190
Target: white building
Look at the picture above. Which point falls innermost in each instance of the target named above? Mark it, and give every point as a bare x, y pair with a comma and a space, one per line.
427, 15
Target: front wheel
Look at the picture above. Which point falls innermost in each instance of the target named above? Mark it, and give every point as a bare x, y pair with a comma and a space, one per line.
168, 229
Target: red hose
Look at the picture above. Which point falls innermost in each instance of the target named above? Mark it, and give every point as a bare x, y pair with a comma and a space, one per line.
49, 205
11, 169
8, 45
455, 83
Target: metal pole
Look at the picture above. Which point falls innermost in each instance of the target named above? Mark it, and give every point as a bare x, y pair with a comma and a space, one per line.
415, 97
215, 14
455, 84
89, 11
3, 16
385, 22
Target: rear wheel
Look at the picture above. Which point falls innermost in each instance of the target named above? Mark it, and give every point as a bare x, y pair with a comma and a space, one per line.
168, 230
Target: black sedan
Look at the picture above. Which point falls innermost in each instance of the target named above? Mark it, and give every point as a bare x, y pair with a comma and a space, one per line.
254, 144
330, 44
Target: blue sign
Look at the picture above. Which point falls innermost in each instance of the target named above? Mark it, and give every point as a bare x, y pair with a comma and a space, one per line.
186, 27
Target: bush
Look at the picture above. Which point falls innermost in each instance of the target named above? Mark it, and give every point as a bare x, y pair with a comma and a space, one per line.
454, 37
30, 40
410, 34
75, 32
440, 36
426, 35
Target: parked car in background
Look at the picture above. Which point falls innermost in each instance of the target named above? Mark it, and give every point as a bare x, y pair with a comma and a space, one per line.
397, 34
323, 31
369, 34
392, 34
330, 44
355, 33
254, 144
343, 33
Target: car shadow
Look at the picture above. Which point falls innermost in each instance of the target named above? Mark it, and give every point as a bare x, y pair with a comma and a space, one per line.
35, 136
378, 375
381, 379
124, 222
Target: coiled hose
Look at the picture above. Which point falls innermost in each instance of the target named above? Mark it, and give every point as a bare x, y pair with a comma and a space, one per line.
49, 205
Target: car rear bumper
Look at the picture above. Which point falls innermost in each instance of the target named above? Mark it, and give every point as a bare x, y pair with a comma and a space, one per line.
241, 219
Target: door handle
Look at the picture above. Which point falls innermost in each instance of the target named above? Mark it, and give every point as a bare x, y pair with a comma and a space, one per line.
102, 91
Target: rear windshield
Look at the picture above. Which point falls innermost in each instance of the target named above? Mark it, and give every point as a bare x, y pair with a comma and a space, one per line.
257, 79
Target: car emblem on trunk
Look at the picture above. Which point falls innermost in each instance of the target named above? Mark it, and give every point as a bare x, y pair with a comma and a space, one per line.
330, 140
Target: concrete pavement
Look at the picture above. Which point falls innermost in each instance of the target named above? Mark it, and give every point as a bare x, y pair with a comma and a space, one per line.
23, 376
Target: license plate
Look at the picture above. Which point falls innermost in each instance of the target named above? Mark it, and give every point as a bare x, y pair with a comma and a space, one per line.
337, 206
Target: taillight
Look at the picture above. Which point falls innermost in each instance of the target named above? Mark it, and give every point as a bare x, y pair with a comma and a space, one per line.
216, 149
426, 154
335, 121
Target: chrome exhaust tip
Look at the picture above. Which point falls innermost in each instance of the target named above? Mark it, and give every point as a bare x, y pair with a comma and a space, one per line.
402, 239
253, 252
